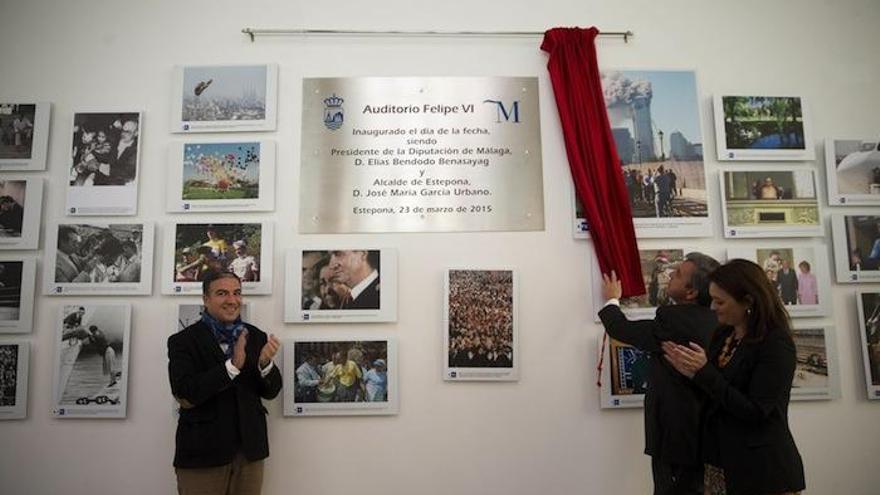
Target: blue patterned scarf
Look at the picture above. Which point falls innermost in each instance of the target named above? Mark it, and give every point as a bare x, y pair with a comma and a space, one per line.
225, 334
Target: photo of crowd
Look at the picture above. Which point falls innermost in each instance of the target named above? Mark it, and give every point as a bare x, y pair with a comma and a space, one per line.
90, 354
863, 242
202, 248
657, 268
105, 149
16, 130
480, 318
12, 198
336, 371
8, 374
871, 338
629, 369
341, 280
224, 93
89, 253
10, 290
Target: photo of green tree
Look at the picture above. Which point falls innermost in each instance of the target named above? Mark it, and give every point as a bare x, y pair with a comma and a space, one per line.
763, 122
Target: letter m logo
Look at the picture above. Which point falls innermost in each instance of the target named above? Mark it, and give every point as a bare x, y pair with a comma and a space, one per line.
502, 113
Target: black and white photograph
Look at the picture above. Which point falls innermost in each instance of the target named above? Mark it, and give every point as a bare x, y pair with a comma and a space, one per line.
99, 259
224, 98
763, 128
869, 331
779, 202
14, 357
816, 374
852, 168
340, 285
191, 250
856, 246
798, 270
624, 375
480, 325
24, 135
104, 163
17, 281
91, 372
21, 201
340, 377
221, 176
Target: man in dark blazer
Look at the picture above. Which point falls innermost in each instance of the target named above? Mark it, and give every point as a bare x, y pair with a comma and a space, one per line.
358, 270
672, 402
122, 168
220, 368
788, 283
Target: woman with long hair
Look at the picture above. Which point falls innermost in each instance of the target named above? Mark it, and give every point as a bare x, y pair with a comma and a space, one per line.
747, 377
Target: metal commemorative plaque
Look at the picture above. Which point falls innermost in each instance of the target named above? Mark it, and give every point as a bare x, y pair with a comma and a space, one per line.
448, 154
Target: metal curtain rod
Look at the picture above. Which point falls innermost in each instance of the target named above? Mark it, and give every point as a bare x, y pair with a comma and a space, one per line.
253, 33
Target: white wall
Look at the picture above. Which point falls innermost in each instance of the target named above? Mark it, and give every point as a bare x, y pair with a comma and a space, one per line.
544, 434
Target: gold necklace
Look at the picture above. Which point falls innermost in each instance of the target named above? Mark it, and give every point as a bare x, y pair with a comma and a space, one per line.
730, 345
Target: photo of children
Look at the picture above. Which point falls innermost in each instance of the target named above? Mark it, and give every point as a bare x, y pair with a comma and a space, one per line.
200, 248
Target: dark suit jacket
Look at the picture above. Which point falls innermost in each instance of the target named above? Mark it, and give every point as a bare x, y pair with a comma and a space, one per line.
227, 416
367, 299
746, 418
672, 402
122, 168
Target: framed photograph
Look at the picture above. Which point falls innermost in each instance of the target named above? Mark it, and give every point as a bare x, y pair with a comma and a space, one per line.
480, 337
189, 313
658, 262
856, 247
869, 330
21, 200
224, 98
657, 267
99, 259
624, 376
24, 135
816, 376
341, 377
655, 120
14, 356
340, 285
770, 203
798, 270
17, 281
763, 128
91, 372
852, 167
193, 249
104, 164
227, 176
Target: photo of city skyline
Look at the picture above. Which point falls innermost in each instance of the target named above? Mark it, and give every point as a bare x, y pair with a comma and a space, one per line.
655, 121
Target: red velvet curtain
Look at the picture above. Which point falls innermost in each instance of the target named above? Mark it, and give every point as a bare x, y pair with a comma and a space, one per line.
592, 155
